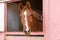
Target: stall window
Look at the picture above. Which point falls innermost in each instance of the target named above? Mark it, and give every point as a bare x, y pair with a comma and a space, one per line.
14, 24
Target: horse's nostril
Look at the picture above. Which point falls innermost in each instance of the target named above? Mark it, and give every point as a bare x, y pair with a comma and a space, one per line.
29, 31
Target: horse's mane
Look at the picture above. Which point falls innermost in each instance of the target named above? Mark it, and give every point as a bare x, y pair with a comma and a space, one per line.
38, 11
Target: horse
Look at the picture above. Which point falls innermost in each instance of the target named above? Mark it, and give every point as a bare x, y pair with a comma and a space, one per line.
31, 20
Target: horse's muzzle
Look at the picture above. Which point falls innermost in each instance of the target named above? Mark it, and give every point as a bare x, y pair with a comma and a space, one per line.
27, 32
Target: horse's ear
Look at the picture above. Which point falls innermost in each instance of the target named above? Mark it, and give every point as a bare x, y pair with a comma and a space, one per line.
21, 5
28, 4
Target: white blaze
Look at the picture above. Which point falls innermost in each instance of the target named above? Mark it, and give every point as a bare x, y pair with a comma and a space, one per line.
26, 22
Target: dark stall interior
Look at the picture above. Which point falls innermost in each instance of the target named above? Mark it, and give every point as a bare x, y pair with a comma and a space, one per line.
35, 4
14, 20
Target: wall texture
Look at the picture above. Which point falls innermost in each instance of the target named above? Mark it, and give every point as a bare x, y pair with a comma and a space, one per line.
52, 20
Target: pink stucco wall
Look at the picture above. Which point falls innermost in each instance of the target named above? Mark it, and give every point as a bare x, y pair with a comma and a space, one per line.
45, 18
2, 37
52, 20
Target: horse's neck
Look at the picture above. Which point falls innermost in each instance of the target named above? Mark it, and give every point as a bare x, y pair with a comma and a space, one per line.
26, 22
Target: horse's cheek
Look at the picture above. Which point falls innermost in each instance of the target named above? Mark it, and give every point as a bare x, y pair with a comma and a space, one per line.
22, 20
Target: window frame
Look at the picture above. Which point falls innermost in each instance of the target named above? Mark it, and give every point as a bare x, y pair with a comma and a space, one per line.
16, 33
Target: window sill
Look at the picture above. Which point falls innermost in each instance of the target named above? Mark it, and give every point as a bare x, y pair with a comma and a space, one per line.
22, 33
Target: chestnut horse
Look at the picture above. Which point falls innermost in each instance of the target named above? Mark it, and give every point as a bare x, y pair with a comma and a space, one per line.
31, 20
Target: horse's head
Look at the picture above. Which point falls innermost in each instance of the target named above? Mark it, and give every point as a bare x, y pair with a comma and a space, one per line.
31, 19
24, 16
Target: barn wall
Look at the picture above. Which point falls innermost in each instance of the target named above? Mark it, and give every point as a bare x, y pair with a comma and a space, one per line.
53, 23
2, 37
45, 18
